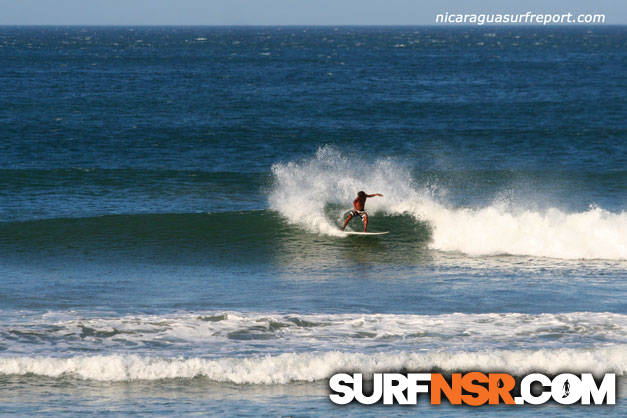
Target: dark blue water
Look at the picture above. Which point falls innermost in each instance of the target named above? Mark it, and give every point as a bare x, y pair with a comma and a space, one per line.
173, 195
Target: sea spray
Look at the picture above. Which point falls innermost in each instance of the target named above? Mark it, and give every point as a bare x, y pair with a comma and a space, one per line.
303, 189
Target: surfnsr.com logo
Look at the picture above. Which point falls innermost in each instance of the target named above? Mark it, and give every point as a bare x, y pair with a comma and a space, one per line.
473, 388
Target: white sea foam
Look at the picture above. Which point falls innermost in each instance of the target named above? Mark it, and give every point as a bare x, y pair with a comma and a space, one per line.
303, 189
309, 367
219, 334
275, 348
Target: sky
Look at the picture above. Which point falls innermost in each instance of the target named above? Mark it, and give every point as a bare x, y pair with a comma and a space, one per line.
281, 12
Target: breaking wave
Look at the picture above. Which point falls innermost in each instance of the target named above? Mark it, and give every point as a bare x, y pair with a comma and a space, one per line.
311, 367
315, 193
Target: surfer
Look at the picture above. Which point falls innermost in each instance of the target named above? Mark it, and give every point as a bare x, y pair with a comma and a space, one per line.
359, 205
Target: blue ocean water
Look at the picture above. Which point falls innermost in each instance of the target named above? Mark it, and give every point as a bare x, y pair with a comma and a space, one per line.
170, 200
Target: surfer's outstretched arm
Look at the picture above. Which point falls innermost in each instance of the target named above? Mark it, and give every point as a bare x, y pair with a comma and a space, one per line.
374, 194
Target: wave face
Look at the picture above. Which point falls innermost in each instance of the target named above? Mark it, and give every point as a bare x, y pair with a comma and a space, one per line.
185, 237
315, 193
270, 348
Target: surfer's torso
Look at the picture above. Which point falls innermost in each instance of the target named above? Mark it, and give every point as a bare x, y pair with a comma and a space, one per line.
359, 203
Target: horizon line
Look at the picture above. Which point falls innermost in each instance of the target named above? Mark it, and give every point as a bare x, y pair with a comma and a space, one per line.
305, 25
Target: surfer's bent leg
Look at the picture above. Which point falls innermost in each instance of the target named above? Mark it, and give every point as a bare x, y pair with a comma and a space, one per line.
348, 218
365, 219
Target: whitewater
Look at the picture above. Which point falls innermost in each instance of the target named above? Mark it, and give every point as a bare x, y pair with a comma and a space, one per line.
312, 367
303, 190
279, 348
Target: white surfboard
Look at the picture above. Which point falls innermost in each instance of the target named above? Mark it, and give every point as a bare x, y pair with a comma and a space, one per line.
365, 233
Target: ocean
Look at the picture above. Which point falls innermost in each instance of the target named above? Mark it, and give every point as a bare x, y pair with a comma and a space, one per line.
170, 199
